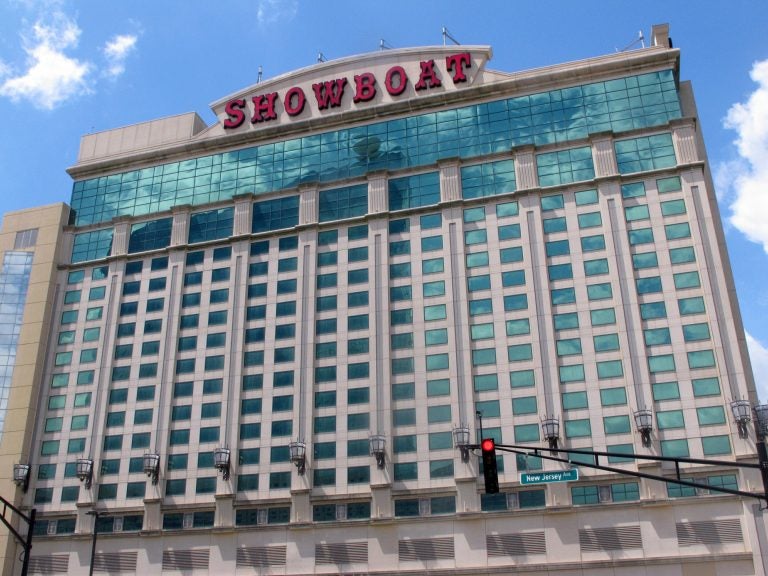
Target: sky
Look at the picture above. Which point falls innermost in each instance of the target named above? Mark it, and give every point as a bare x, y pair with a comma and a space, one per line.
71, 68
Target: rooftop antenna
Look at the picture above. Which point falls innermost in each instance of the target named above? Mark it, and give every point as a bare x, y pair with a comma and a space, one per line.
258, 78
640, 40
384, 45
447, 34
320, 57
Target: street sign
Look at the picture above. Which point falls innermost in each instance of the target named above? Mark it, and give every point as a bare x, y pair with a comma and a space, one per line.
550, 477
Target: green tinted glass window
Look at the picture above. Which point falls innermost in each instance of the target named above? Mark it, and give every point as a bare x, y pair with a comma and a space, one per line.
574, 400
613, 396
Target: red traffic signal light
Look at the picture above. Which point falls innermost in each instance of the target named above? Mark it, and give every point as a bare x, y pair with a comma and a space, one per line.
490, 471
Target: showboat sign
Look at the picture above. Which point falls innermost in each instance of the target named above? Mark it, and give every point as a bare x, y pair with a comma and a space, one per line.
269, 106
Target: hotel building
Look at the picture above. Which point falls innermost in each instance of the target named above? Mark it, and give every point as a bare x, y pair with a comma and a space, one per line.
290, 316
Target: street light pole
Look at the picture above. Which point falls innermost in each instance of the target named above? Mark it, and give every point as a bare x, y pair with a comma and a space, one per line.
761, 414
96, 515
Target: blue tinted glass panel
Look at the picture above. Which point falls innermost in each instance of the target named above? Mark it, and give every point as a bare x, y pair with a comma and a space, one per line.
488, 179
341, 203
151, 235
211, 225
556, 116
414, 191
92, 245
275, 214
14, 281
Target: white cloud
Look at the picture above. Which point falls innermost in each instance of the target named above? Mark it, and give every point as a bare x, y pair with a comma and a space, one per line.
270, 11
51, 76
758, 355
747, 176
116, 51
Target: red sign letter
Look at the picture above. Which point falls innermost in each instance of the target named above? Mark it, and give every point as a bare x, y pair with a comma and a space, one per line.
402, 79
329, 92
365, 87
261, 106
234, 110
459, 61
301, 99
427, 75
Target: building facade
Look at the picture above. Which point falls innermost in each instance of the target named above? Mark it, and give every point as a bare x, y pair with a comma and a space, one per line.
293, 311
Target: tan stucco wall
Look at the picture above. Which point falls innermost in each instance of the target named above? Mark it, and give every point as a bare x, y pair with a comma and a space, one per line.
22, 404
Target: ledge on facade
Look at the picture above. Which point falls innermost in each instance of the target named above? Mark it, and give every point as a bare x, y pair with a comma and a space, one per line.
683, 122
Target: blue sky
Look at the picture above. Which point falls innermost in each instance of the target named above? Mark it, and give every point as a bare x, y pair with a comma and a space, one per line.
69, 68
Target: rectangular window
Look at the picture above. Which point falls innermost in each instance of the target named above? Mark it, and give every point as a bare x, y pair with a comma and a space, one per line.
596, 267
701, 359
616, 425
645, 260
682, 255
634, 213
677, 231
432, 266
590, 220
564, 167
661, 363
431, 243
652, 310
633, 190
665, 391
586, 197
593, 243
571, 400
685, 280
510, 255
578, 428
599, 291
563, 296
673, 207
694, 305
414, 191
640, 236
706, 387
557, 248
645, 153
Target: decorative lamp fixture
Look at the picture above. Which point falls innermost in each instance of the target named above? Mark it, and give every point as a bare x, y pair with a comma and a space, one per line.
85, 471
298, 452
551, 428
221, 461
152, 466
461, 441
644, 425
21, 476
742, 415
761, 413
378, 443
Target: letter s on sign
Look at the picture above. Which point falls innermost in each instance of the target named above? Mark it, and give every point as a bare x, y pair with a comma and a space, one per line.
234, 110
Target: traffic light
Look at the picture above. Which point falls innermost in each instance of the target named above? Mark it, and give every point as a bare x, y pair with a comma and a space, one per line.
491, 473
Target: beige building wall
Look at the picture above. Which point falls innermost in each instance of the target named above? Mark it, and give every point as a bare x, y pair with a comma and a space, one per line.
17, 436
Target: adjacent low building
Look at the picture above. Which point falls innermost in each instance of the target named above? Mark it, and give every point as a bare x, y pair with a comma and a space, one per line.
252, 346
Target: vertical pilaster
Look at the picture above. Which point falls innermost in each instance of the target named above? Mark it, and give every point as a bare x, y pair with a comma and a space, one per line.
308, 205
603, 155
120, 236
180, 229
377, 192
243, 214
450, 180
525, 168
684, 140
